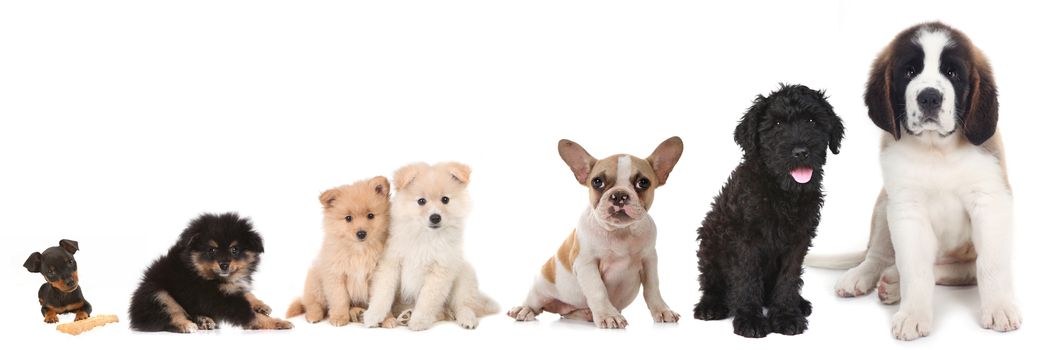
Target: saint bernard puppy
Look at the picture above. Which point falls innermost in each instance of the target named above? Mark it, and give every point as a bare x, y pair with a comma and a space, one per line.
944, 215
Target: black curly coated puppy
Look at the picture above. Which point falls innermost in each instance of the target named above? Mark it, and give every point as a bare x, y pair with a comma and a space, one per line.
753, 240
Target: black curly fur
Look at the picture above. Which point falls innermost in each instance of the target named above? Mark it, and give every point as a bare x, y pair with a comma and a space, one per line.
753, 240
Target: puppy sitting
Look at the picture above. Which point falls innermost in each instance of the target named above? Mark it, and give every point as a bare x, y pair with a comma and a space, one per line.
602, 265
753, 240
423, 269
204, 279
356, 219
62, 293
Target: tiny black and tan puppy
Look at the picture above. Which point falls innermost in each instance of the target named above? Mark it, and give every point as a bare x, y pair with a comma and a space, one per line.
753, 240
203, 280
62, 293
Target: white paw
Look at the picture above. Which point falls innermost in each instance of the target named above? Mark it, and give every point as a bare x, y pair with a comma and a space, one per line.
522, 313
187, 327
910, 326
611, 320
466, 321
419, 324
665, 316
889, 287
372, 318
855, 282
1003, 317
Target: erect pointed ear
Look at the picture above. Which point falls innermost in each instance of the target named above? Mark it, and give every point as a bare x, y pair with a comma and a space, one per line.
981, 121
665, 157
878, 96
69, 245
577, 159
460, 172
33, 263
328, 197
746, 134
380, 185
406, 174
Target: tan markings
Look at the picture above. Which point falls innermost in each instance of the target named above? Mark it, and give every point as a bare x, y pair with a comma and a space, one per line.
644, 169
41, 301
66, 308
81, 315
257, 305
606, 169
203, 269
265, 322
178, 315
51, 316
569, 251
550, 270
213, 244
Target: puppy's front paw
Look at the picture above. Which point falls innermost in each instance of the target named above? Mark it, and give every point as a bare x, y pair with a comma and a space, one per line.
205, 323
750, 326
889, 288
419, 323
665, 315
51, 318
910, 326
609, 320
339, 318
522, 313
707, 310
855, 282
389, 322
186, 327
372, 318
356, 314
788, 324
466, 321
80, 315
282, 324
261, 308
1003, 318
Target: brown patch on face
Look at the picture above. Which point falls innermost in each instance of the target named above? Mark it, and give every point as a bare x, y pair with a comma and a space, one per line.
178, 315
643, 170
203, 269
213, 244
605, 169
569, 251
239, 269
549, 270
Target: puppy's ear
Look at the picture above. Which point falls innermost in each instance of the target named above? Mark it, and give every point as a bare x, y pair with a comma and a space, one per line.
381, 186
577, 159
665, 157
328, 197
878, 96
460, 172
837, 127
746, 134
33, 263
69, 245
981, 121
406, 174
254, 242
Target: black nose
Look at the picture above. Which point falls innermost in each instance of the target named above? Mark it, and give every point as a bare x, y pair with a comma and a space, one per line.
800, 152
435, 218
620, 198
361, 234
930, 99
224, 265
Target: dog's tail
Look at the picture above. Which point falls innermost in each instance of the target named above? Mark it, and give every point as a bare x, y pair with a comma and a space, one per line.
836, 261
296, 308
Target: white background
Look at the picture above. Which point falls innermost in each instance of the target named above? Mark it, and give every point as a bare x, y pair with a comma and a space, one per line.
121, 121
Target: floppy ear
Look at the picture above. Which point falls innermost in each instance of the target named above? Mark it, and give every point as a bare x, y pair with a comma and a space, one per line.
381, 186
69, 245
837, 128
746, 134
33, 263
328, 197
878, 97
665, 157
460, 172
577, 159
981, 121
406, 174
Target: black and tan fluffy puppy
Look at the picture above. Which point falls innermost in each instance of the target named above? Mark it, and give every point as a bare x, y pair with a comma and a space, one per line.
753, 240
203, 280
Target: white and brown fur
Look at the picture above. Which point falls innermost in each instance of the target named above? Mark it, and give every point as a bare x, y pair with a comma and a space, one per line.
356, 222
600, 268
423, 275
944, 215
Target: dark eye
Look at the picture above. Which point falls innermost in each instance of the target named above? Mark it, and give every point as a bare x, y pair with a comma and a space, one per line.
951, 73
909, 72
371, 216
598, 183
643, 183
234, 251
810, 120
422, 201
211, 252
445, 199
69, 262
349, 218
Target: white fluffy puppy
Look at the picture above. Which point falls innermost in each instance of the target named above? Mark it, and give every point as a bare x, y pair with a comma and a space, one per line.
423, 269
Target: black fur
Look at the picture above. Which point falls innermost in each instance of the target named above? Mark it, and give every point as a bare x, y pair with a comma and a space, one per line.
753, 240
61, 293
198, 293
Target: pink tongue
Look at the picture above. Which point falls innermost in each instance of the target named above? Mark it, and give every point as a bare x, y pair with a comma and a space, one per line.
802, 175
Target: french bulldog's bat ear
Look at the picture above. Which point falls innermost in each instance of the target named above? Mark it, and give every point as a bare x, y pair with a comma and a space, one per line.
33, 263
577, 159
328, 197
406, 174
381, 186
69, 245
665, 157
460, 172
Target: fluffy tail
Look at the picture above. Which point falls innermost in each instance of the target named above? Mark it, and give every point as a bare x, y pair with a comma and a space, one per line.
836, 261
296, 308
